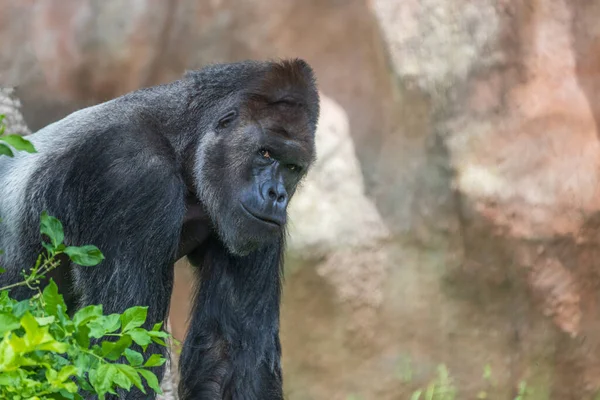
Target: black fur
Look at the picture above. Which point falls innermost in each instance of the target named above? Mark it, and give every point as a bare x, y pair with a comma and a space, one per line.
233, 342
203, 167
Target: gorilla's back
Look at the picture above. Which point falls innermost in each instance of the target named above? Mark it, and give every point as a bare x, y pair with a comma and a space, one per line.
16, 174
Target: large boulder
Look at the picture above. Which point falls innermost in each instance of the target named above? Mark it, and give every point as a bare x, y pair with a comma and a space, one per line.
331, 210
515, 107
334, 223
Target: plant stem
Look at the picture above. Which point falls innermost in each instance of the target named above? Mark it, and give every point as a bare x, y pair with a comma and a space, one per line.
47, 266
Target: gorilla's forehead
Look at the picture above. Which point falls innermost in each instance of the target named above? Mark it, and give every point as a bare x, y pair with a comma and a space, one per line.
260, 81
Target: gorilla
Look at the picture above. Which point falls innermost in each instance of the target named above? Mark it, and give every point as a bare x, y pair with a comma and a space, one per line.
204, 168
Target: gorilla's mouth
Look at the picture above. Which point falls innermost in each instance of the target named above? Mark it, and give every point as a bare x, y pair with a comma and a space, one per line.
261, 217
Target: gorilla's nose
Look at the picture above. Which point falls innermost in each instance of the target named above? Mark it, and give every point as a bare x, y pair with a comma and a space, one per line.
274, 193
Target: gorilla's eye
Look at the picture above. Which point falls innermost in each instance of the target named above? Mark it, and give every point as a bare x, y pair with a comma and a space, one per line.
287, 101
226, 120
265, 153
294, 168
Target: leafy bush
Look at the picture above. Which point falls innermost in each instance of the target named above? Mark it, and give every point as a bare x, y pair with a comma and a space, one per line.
443, 387
46, 354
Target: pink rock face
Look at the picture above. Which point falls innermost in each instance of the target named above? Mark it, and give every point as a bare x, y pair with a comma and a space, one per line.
521, 130
90, 48
535, 169
531, 165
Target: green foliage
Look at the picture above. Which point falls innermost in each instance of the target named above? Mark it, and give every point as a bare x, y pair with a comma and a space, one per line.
523, 391
52, 228
46, 354
441, 388
17, 142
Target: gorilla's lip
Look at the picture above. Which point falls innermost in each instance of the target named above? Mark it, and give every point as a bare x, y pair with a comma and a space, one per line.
261, 217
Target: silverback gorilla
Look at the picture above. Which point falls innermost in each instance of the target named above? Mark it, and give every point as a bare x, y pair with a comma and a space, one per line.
202, 167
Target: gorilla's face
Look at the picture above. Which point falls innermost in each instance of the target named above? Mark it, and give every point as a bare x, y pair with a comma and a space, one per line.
249, 165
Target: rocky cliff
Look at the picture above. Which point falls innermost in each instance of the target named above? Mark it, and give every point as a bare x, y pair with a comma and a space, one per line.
457, 181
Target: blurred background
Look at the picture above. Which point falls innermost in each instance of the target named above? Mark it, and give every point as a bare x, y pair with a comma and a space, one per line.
448, 235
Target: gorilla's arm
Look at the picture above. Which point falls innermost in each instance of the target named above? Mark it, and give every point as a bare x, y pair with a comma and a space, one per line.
232, 349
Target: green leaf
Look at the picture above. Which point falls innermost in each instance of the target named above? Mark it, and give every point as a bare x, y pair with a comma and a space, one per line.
66, 323
70, 395
5, 299
86, 256
6, 151
112, 322
103, 325
141, 337
157, 326
33, 334
114, 350
49, 248
2, 270
52, 345
132, 374
43, 321
83, 383
155, 360
6, 303
133, 318
52, 228
87, 314
159, 341
161, 334
8, 323
52, 299
22, 307
7, 352
19, 143
92, 373
66, 372
82, 336
135, 359
151, 380
104, 377
84, 362
122, 380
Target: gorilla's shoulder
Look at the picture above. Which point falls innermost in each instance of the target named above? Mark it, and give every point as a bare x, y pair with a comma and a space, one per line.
104, 144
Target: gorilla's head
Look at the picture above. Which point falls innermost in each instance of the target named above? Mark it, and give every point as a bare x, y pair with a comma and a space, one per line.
256, 144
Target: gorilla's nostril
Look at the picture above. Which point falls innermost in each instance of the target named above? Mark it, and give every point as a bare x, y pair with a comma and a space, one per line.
272, 194
281, 199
